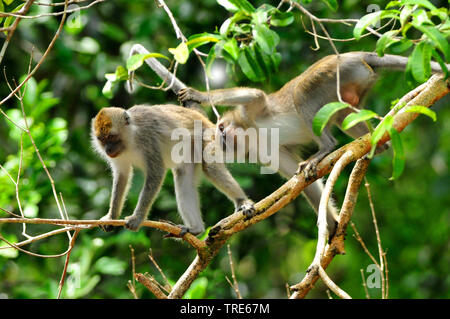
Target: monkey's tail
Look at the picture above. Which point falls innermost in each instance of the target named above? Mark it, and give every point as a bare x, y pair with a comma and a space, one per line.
395, 62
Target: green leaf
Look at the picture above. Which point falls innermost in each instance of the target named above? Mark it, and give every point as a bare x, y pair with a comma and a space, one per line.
332, 4
209, 60
228, 5
420, 17
243, 5
267, 39
121, 73
201, 39
400, 46
437, 38
249, 65
398, 161
355, 118
135, 61
405, 14
8, 2
379, 131
324, 114
10, 20
281, 19
180, 53
107, 89
231, 46
385, 41
2, 9
441, 62
422, 110
372, 18
419, 62
421, 3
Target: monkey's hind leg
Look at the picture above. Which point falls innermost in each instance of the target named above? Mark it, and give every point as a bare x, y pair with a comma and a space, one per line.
186, 178
326, 146
222, 179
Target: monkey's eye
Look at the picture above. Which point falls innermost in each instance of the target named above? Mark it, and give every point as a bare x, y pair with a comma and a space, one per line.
221, 127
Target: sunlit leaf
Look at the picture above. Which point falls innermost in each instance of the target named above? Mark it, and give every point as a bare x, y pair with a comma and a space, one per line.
354, 118
422, 110
324, 114
180, 53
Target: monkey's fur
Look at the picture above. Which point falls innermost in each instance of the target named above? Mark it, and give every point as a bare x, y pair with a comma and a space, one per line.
141, 137
292, 109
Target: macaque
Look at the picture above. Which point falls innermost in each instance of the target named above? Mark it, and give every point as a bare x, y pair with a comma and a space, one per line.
141, 137
292, 108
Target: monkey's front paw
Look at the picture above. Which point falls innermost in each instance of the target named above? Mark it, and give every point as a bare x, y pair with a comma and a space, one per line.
133, 222
106, 228
247, 208
188, 94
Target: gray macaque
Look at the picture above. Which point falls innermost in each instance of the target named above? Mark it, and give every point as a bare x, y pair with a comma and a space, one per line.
141, 137
292, 109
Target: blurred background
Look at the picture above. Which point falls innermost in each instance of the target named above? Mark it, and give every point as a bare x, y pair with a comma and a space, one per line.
413, 212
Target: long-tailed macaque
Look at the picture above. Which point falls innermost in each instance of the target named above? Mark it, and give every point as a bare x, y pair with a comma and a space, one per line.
292, 108
142, 137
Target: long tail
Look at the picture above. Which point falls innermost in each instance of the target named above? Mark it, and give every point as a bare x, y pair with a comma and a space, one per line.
395, 62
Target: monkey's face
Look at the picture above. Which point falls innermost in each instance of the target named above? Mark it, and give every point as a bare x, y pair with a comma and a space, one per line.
112, 144
108, 127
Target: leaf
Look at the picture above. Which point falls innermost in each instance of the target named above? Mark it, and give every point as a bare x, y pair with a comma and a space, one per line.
355, 118
441, 62
419, 62
135, 61
324, 114
267, 39
370, 19
180, 53
437, 38
231, 46
225, 27
401, 46
281, 19
379, 132
332, 4
249, 65
107, 89
121, 73
228, 5
209, 60
9, 20
243, 5
422, 110
201, 39
8, 2
2, 9
385, 41
423, 3
398, 160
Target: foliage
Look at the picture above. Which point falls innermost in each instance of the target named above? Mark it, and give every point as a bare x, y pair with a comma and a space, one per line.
258, 43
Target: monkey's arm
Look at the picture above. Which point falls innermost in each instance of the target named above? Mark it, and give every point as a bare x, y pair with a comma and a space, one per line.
231, 97
154, 177
121, 178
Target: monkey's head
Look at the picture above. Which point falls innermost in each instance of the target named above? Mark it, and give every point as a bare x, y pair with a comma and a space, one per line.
231, 134
109, 131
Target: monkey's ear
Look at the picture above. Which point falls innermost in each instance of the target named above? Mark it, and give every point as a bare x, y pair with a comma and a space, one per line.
126, 116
